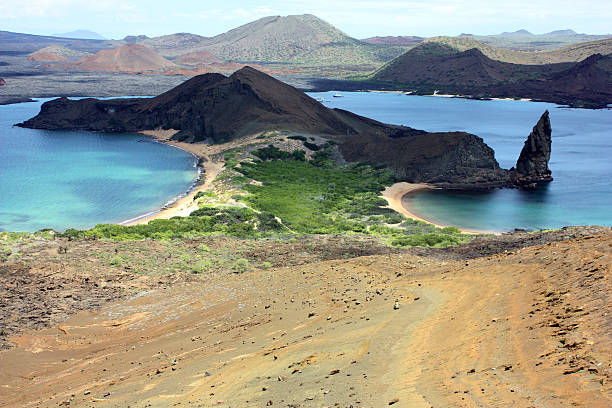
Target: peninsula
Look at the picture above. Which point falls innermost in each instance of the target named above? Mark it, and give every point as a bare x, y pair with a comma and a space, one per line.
213, 108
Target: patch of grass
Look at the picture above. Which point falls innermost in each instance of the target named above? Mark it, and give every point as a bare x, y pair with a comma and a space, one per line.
207, 194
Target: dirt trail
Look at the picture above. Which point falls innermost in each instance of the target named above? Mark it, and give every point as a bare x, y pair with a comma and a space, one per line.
525, 328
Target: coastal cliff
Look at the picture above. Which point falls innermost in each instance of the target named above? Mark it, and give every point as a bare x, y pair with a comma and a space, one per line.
213, 108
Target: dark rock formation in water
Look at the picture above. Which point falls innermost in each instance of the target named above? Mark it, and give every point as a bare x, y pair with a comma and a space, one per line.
532, 164
213, 108
2, 82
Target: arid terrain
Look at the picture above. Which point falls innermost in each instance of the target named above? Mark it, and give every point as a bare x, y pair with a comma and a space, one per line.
326, 322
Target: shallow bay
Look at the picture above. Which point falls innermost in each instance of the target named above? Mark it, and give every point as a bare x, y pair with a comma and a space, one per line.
76, 179
581, 162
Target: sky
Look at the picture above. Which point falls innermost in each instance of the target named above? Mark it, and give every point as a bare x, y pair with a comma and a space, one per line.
360, 19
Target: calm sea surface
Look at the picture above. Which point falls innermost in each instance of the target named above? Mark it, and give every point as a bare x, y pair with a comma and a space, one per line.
581, 161
61, 179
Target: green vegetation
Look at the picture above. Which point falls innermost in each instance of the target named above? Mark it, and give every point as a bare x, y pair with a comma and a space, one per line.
312, 146
286, 195
241, 265
318, 197
274, 153
234, 221
297, 137
205, 194
11, 242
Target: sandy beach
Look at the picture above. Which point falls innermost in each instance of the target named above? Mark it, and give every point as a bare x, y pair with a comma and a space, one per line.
210, 169
184, 206
394, 195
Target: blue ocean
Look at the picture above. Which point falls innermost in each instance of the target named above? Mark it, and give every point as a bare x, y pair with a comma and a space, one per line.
581, 162
75, 179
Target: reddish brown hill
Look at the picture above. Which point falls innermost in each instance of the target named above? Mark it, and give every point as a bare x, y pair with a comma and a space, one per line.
46, 56
127, 58
199, 58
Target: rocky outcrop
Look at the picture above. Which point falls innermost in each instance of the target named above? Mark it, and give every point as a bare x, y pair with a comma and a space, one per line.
213, 108
532, 164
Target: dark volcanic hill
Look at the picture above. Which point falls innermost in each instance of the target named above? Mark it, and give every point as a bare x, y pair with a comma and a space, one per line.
438, 66
215, 108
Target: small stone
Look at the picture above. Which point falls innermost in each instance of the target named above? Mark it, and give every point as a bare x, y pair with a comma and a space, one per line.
396, 305
334, 371
394, 401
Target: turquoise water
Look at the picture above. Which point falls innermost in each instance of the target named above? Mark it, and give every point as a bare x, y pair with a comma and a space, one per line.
581, 162
75, 179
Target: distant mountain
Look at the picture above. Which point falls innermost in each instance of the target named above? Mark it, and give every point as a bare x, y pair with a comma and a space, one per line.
523, 40
80, 34
127, 58
133, 39
518, 32
292, 39
27, 43
176, 44
437, 66
299, 40
406, 41
571, 53
563, 32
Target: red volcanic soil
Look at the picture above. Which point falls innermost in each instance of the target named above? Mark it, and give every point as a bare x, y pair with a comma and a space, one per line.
197, 58
127, 58
47, 56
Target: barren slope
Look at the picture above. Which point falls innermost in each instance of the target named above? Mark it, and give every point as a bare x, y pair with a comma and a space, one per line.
524, 328
127, 58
